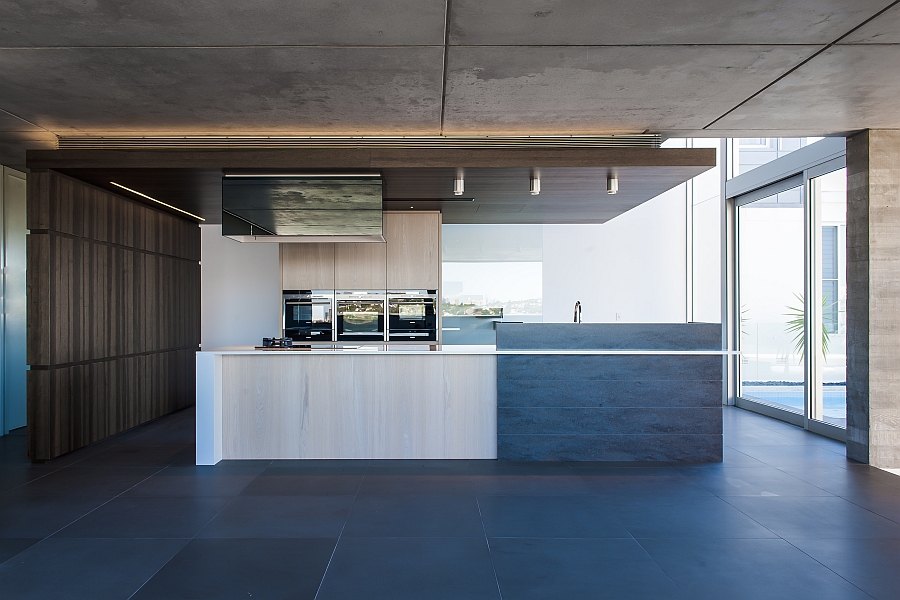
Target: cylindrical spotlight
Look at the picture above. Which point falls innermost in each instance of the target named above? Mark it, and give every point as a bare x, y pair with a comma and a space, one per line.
535, 185
612, 184
459, 186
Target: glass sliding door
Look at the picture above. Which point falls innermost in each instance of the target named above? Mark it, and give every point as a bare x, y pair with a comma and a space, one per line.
770, 240
828, 392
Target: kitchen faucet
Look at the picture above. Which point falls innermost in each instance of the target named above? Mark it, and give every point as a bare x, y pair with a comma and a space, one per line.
578, 311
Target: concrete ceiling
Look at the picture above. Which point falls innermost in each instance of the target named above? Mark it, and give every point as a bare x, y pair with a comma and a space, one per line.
439, 67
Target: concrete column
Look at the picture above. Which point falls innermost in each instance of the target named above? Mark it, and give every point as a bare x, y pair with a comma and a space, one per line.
873, 298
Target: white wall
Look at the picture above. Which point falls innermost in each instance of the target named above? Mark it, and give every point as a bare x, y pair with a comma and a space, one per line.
633, 266
240, 289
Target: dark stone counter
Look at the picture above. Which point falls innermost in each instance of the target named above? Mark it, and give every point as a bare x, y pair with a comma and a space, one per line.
617, 407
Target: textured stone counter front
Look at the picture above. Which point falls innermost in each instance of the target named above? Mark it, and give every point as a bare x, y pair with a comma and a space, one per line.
620, 406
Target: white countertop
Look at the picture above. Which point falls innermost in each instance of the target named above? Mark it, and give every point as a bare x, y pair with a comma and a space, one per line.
408, 349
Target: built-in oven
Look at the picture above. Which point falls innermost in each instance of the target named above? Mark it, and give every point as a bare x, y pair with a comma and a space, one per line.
308, 315
412, 315
360, 316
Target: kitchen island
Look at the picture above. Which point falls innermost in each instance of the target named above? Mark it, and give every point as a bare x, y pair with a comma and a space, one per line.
589, 394
371, 401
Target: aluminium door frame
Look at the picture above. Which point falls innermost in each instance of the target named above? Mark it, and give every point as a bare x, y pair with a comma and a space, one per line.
787, 172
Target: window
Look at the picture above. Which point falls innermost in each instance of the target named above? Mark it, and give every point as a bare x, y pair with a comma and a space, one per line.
489, 273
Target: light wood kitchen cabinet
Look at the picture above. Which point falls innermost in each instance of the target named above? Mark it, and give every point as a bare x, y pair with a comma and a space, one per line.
413, 250
307, 266
360, 266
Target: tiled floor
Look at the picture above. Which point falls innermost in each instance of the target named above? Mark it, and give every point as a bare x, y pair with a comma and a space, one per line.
785, 516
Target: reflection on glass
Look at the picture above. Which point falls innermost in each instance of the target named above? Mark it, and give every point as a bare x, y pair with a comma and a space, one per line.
771, 276
411, 311
829, 192
360, 317
750, 153
489, 273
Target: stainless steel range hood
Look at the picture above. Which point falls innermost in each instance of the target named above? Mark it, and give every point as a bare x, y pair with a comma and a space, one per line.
302, 208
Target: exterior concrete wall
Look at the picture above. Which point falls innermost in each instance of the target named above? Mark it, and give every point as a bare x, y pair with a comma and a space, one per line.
873, 297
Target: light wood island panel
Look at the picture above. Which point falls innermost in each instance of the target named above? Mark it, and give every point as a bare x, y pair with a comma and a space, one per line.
359, 406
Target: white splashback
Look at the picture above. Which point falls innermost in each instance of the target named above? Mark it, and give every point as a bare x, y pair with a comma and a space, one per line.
240, 290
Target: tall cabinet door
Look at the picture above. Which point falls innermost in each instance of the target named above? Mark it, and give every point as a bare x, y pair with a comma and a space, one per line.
307, 266
413, 250
360, 266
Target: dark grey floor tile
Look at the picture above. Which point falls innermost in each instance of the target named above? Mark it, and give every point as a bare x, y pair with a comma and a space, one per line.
753, 481
529, 485
13, 476
317, 467
617, 488
281, 517
872, 565
162, 517
242, 569
171, 431
685, 517
316, 463
611, 464
297, 485
519, 468
548, 517
443, 485
38, 517
877, 499
750, 436
193, 481
89, 569
748, 569
414, 516
845, 481
410, 569
135, 456
636, 471
421, 466
583, 569
93, 482
736, 458
801, 456
816, 517
886, 477
9, 547
233, 467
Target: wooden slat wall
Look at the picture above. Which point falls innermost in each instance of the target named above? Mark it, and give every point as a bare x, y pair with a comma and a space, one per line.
113, 313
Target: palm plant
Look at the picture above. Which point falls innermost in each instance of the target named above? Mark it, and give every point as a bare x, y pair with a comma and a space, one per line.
796, 325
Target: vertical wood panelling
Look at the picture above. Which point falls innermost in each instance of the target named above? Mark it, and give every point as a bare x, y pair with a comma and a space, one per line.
307, 266
360, 266
113, 313
413, 250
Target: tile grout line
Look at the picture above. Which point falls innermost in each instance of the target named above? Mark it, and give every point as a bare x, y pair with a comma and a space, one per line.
344, 526
828, 568
99, 506
488, 544
613, 515
187, 541
779, 537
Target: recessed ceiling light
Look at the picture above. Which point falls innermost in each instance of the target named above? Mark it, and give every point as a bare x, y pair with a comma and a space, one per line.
612, 184
157, 201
